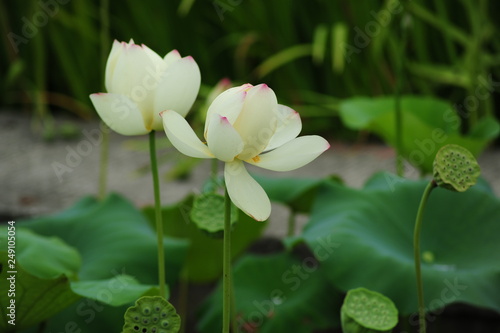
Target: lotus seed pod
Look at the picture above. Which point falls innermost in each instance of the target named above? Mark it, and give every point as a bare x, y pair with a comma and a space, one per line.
208, 213
366, 311
455, 168
145, 315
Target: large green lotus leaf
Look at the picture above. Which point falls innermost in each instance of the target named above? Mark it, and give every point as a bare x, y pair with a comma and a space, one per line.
46, 279
87, 316
297, 193
113, 238
204, 258
116, 291
36, 299
371, 233
427, 125
92, 313
276, 293
43, 257
43, 267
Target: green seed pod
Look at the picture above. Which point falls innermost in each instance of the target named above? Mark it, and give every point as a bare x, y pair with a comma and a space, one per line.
366, 311
208, 213
455, 168
144, 316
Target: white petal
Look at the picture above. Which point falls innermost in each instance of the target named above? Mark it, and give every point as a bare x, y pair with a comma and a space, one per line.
292, 155
289, 126
171, 57
119, 113
154, 57
228, 104
177, 89
257, 121
130, 70
245, 192
223, 140
114, 54
182, 136
137, 73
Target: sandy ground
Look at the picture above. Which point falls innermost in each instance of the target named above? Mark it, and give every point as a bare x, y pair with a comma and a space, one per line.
40, 178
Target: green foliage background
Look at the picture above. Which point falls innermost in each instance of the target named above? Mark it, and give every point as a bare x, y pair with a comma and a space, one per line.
311, 53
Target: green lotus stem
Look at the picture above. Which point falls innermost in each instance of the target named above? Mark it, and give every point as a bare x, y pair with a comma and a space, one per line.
104, 35
104, 156
450, 30
158, 217
397, 96
416, 254
103, 164
226, 277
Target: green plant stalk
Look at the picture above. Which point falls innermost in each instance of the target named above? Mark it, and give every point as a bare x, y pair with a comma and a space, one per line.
104, 36
399, 115
449, 29
158, 217
475, 66
40, 82
103, 163
226, 277
416, 254
104, 158
442, 12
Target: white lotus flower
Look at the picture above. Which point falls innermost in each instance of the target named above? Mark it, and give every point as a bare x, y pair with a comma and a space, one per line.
140, 84
246, 124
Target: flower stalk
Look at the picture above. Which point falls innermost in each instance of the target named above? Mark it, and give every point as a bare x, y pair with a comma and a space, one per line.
226, 278
416, 254
397, 96
103, 165
158, 217
104, 157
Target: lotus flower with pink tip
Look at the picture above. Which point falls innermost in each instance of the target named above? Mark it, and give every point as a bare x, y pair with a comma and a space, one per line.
246, 124
140, 84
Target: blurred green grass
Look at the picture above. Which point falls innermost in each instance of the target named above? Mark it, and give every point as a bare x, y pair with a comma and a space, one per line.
313, 54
